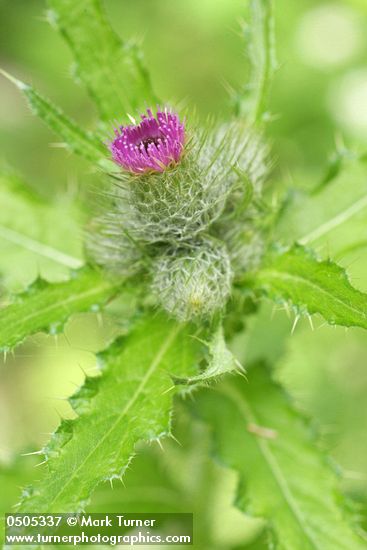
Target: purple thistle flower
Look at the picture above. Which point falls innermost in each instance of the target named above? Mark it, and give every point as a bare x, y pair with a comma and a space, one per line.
152, 145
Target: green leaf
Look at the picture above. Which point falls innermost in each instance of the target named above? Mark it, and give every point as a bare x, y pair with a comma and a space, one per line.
47, 306
112, 71
334, 219
284, 477
27, 245
313, 286
128, 403
12, 475
221, 361
260, 42
264, 61
82, 143
179, 477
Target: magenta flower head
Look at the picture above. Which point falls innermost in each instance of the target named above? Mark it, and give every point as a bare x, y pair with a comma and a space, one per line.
151, 146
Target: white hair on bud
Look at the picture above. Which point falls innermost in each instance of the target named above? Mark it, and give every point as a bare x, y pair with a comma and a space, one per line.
245, 246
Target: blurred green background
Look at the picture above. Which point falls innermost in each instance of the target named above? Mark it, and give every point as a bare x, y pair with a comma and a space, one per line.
194, 50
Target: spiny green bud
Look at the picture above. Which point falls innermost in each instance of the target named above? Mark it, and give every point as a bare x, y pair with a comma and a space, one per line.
194, 281
247, 151
245, 246
108, 245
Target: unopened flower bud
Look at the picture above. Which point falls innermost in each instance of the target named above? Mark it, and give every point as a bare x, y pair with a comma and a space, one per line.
193, 282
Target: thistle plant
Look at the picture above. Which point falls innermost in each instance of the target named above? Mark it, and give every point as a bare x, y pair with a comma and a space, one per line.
179, 201
190, 229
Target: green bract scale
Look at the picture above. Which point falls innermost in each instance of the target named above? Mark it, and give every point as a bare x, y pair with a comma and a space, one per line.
191, 221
